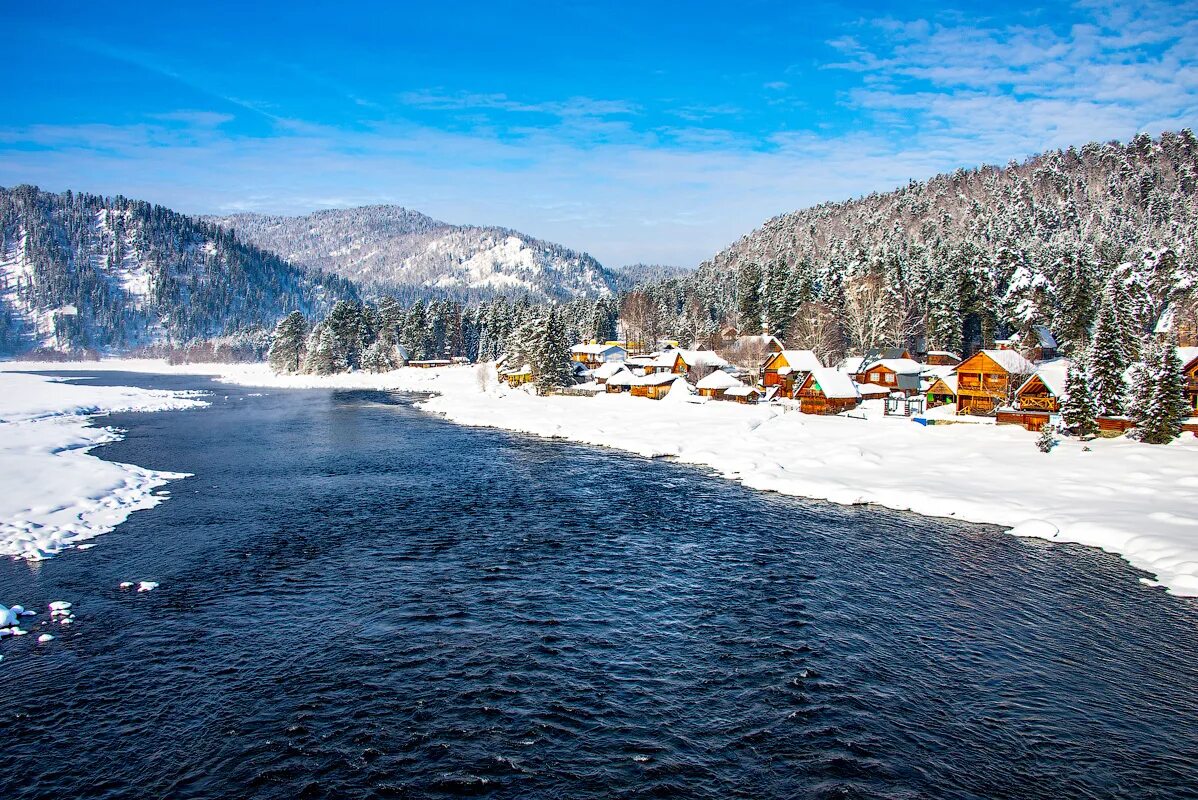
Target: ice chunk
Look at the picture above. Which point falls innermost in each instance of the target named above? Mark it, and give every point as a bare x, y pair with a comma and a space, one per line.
45, 637
146, 586
125, 585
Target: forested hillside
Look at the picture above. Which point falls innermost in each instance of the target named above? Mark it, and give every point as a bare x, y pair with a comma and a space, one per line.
82, 271
955, 261
395, 251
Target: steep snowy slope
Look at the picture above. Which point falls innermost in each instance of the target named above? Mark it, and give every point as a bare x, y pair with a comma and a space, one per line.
388, 248
78, 271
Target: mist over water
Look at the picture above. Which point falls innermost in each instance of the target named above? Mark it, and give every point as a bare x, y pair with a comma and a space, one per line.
360, 600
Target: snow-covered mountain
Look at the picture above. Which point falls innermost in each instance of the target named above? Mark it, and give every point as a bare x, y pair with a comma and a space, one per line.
82, 271
389, 249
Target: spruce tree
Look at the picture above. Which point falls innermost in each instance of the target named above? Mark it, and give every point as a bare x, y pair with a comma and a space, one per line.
551, 353
1077, 409
287, 343
748, 298
323, 357
1108, 360
1160, 406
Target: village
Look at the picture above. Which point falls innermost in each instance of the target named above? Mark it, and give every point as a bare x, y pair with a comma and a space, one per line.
1013, 383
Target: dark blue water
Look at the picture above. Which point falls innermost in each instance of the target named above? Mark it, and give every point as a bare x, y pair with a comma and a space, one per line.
359, 600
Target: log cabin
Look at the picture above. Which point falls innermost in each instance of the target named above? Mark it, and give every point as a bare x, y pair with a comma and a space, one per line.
620, 381
593, 355
827, 391
517, 377
1043, 348
1189, 369
655, 386
988, 378
602, 373
896, 374
716, 383
671, 361
942, 391
1045, 389
785, 367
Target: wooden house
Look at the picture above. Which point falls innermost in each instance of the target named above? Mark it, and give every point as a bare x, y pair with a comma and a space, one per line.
785, 367
827, 391
988, 379
1043, 348
742, 394
942, 391
716, 383
942, 358
896, 374
703, 362
1189, 368
517, 377
1045, 389
620, 381
429, 363
602, 373
593, 355
669, 361
655, 386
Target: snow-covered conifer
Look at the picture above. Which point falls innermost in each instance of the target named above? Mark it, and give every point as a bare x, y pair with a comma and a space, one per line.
287, 343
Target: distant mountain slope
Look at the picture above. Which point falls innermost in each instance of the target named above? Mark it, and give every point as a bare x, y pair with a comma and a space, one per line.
966, 256
78, 270
395, 250
632, 275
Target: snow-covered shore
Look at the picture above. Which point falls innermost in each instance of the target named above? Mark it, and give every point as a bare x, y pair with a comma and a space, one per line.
1139, 501
53, 493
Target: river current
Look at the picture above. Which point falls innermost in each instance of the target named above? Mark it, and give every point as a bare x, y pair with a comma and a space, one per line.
361, 600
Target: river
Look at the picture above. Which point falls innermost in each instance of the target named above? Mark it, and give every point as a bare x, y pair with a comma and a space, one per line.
361, 600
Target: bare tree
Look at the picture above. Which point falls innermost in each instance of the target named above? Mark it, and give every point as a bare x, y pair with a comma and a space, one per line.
866, 313
641, 317
817, 328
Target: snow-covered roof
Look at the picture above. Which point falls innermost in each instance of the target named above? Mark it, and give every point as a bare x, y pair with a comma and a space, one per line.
624, 378
665, 360
741, 391
594, 349
801, 360
524, 370
702, 358
718, 380
899, 366
1053, 374
1046, 337
835, 384
949, 380
1187, 354
658, 379
852, 363
1011, 361
608, 369
872, 390
944, 353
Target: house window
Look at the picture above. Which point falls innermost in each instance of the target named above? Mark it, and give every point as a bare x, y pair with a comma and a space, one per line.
874, 377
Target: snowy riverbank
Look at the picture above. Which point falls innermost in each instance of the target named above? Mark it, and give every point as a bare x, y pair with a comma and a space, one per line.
1137, 500
53, 493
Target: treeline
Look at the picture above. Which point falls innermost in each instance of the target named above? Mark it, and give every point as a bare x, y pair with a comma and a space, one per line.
957, 261
111, 273
381, 336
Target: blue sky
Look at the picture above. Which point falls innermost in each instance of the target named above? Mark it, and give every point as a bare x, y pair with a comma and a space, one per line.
655, 132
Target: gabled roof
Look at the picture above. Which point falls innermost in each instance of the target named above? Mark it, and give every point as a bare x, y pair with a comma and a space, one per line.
1047, 340
1187, 355
949, 381
1053, 374
666, 359
872, 390
718, 380
622, 378
835, 384
852, 363
742, 391
899, 366
944, 353
702, 358
797, 360
1010, 360
607, 369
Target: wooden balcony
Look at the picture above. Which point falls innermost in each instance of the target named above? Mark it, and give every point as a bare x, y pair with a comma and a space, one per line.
1041, 402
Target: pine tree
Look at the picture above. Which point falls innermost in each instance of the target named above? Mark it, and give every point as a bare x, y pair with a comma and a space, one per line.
1077, 409
1108, 360
287, 343
550, 358
380, 355
323, 357
748, 297
1159, 407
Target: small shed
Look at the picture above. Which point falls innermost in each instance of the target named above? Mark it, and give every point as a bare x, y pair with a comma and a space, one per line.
655, 386
517, 377
942, 391
620, 381
943, 358
743, 394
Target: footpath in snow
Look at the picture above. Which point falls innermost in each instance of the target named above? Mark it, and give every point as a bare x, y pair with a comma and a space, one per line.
1137, 500
53, 493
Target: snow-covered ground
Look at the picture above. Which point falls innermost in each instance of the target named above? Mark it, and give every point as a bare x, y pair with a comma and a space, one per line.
1137, 500
53, 493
